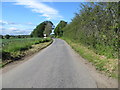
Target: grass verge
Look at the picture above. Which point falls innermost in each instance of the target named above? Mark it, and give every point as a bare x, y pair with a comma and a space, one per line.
105, 65
17, 55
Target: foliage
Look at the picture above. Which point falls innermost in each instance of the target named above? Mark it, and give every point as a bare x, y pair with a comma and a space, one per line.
38, 31
96, 26
44, 27
48, 28
52, 35
15, 36
59, 29
7, 36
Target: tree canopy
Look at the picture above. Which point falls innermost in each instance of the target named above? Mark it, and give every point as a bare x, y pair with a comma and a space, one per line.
7, 36
59, 28
41, 29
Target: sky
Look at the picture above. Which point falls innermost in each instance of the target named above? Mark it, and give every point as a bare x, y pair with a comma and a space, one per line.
20, 17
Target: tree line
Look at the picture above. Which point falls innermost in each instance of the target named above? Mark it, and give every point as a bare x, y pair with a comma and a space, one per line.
96, 26
7, 36
58, 31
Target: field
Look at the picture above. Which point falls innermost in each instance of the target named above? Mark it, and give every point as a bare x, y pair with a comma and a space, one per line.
13, 45
12, 49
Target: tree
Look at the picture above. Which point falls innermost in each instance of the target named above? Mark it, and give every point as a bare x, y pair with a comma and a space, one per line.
7, 36
19, 36
48, 28
38, 31
44, 27
59, 29
96, 26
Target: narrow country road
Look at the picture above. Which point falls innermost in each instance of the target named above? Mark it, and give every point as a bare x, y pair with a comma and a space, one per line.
53, 67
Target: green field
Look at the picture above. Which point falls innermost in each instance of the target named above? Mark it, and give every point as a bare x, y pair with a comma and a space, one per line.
13, 45
11, 48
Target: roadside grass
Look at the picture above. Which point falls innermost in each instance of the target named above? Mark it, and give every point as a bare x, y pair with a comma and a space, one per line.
102, 63
15, 49
14, 45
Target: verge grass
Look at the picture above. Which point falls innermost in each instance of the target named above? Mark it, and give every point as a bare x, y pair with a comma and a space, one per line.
102, 63
14, 49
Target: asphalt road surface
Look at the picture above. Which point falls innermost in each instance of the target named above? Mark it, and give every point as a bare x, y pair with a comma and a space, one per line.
54, 67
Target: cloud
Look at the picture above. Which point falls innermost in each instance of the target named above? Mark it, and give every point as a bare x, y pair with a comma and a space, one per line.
3, 22
38, 7
29, 23
21, 32
15, 31
64, 0
8, 30
14, 28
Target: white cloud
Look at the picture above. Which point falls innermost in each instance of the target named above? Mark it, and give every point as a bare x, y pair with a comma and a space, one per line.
3, 22
9, 30
38, 7
29, 23
15, 31
13, 28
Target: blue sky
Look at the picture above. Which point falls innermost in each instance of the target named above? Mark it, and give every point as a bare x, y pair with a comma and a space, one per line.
22, 17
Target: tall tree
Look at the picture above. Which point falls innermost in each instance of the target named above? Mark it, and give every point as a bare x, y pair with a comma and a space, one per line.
39, 30
59, 29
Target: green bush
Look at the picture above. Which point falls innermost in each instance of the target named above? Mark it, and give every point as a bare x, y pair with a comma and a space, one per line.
96, 26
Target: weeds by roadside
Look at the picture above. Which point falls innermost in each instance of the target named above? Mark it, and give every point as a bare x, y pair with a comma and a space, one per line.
102, 63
